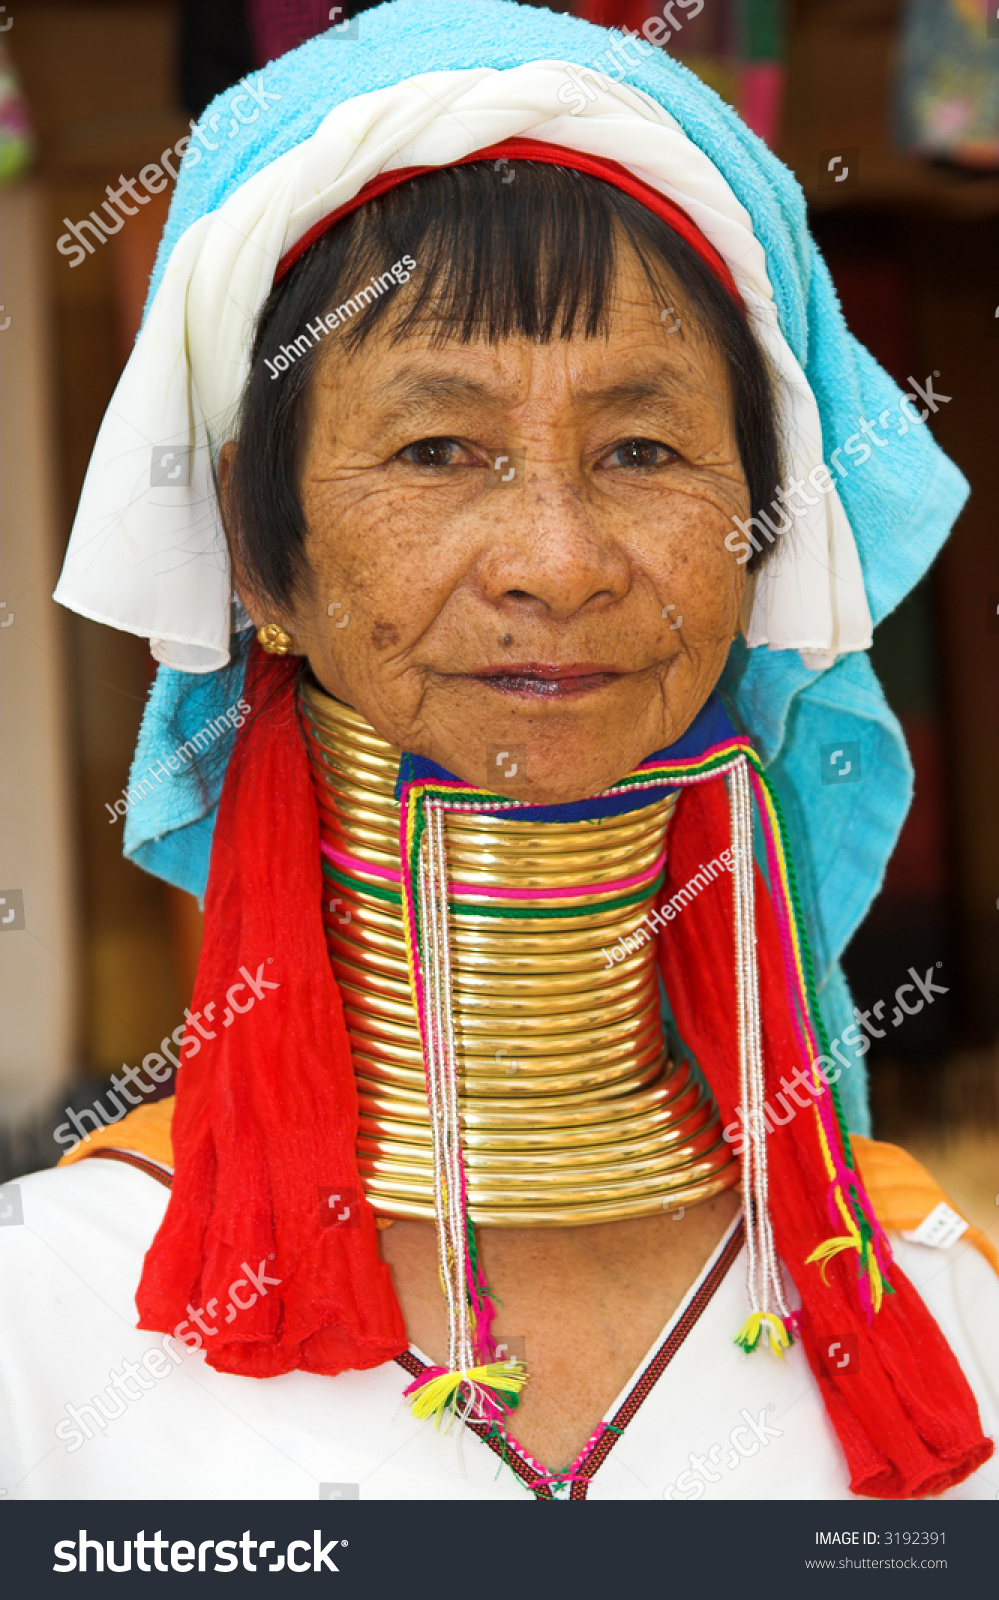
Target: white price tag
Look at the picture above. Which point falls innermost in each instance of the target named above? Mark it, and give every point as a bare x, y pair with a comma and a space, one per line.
942, 1228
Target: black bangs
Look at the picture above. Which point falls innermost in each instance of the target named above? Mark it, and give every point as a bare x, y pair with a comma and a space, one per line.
492, 251
493, 261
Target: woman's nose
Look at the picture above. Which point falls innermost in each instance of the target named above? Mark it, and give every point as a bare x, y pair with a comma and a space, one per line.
547, 546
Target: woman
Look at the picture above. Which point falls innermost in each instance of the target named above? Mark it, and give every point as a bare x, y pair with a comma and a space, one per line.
493, 417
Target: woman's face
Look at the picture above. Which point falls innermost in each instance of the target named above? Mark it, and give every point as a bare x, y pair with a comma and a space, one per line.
518, 549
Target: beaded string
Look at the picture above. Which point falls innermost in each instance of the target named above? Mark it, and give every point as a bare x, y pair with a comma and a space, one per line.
848, 1201
440, 1068
428, 954
768, 1307
462, 1389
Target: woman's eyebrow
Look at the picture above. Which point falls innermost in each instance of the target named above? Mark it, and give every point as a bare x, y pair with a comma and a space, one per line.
660, 388
408, 388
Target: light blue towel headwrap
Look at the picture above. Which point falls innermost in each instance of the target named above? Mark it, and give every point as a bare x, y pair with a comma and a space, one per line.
901, 502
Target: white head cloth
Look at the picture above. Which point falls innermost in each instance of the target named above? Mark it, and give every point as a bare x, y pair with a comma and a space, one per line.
147, 552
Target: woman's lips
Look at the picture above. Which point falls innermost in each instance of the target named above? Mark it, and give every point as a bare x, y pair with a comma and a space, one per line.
548, 682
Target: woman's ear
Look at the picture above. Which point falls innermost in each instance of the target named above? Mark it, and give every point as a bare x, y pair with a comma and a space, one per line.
274, 629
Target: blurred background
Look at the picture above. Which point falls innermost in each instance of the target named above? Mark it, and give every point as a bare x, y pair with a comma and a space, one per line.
888, 113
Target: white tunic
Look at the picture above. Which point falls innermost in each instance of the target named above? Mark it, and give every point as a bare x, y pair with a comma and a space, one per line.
700, 1419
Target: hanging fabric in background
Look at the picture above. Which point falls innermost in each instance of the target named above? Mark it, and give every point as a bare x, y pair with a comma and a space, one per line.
947, 105
277, 26
222, 40
735, 46
17, 142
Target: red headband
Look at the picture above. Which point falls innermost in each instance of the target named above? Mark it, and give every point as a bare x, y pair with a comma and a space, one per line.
556, 156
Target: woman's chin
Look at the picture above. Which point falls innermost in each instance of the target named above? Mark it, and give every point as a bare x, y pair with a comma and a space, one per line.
541, 771
547, 750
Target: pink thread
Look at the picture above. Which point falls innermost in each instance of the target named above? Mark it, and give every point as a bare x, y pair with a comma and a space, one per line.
575, 1474
342, 859
426, 1376
486, 1405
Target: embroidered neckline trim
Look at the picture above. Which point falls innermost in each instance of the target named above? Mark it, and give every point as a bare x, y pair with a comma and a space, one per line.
534, 1474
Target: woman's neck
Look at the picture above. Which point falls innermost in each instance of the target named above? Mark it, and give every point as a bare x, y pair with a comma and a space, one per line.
583, 1307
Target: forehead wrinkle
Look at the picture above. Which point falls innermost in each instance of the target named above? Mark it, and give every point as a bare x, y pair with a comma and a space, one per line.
411, 386
407, 388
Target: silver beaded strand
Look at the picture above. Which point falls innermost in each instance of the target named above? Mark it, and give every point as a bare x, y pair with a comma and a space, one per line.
764, 1280
443, 1087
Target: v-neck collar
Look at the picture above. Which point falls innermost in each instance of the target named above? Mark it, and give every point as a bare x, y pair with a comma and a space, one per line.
533, 1474
543, 1483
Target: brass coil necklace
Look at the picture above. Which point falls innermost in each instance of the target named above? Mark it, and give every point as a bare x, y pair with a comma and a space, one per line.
571, 1111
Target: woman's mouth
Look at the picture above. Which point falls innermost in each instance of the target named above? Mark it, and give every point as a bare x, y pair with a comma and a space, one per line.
548, 682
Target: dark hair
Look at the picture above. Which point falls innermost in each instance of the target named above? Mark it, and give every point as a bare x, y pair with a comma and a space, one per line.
528, 250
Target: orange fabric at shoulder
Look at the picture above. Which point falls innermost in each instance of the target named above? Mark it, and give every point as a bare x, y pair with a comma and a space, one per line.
147, 1131
903, 1192
144, 1132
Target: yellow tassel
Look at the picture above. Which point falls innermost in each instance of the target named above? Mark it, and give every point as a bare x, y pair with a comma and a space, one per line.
439, 1396
868, 1257
756, 1324
832, 1247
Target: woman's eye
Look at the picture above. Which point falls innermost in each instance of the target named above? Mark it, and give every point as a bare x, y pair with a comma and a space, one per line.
640, 453
432, 453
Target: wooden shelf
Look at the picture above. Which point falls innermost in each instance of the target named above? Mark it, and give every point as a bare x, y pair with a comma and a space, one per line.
840, 95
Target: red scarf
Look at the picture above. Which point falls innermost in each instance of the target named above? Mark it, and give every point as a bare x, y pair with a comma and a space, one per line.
266, 1113
906, 1418
266, 1120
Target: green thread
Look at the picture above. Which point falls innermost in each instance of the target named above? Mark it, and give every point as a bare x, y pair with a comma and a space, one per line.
524, 912
806, 957
483, 800
495, 1431
391, 896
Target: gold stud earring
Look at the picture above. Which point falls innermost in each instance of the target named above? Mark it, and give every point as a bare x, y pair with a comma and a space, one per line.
273, 638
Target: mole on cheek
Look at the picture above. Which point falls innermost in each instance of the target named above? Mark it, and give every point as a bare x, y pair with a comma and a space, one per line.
384, 635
